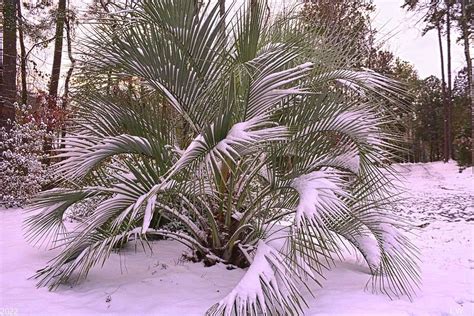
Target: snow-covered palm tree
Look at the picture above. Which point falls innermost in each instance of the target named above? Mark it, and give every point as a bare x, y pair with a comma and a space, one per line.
287, 163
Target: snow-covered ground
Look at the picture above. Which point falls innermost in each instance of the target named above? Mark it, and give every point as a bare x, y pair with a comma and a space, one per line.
439, 200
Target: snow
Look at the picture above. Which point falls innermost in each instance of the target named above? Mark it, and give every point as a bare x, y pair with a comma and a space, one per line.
318, 194
370, 246
439, 200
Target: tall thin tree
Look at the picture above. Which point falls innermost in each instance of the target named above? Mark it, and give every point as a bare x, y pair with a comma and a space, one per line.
466, 25
24, 91
449, 153
8, 89
1, 56
443, 89
58, 46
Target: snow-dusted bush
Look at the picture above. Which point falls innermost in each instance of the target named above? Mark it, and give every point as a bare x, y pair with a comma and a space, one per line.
22, 171
83, 209
282, 128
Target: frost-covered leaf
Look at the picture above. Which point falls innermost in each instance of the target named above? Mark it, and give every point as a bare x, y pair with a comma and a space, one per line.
320, 196
267, 288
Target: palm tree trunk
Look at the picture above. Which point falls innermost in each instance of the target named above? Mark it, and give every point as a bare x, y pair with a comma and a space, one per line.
8, 88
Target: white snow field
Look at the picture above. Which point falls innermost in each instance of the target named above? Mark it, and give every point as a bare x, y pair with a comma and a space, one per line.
439, 199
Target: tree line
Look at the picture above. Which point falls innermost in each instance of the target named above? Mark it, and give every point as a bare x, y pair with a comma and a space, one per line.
437, 125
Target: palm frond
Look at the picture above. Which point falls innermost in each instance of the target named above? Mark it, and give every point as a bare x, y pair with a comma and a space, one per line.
266, 288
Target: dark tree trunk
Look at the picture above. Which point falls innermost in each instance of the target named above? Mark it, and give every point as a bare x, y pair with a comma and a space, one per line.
1, 56
24, 91
8, 88
445, 99
71, 58
56, 70
465, 36
68, 76
450, 88
58, 47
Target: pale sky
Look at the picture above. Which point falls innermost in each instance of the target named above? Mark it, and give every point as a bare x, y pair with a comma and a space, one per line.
405, 40
403, 37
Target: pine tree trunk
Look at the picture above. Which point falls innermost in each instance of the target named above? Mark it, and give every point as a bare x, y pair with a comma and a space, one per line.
1, 58
68, 76
24, 91
71, 59
465, 35
472, 118
58, 47
443, 91
8, 88
56, 70
449, 94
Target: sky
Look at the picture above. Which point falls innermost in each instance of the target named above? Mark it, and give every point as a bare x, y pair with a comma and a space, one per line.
401, 32
404, 39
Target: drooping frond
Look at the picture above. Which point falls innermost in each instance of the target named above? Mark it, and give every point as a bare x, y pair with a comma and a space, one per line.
267, 288
82, 254
320, 196
87, 154
46, 212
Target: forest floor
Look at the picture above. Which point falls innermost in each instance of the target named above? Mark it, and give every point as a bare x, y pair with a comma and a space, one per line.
439, 199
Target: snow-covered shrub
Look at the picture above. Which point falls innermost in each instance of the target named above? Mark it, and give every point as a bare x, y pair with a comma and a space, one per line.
83, 209
22, 171
290, 155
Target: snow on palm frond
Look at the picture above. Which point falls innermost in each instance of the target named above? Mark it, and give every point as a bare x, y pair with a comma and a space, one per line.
365, 81
383, 243
266, 91
347, 160
265, 289
320, 196
78, 162
369, 246
242, 138
322, 204
398, 274
361, 125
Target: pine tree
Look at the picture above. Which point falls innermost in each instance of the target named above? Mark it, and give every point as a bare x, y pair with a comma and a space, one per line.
8, 92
